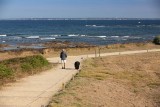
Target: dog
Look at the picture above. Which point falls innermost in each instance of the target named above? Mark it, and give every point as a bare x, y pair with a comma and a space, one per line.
76, 65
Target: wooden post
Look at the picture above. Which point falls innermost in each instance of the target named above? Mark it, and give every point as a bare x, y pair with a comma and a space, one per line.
99, 52
95, 53
63, 86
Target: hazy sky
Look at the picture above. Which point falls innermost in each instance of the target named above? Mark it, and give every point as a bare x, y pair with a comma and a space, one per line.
79, 8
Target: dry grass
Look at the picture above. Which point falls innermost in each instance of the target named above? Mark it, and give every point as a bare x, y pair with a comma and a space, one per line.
126, 81
54, 51
103, 49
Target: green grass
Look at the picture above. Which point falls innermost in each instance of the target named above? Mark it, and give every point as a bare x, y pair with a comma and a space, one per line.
5, 71
20, 67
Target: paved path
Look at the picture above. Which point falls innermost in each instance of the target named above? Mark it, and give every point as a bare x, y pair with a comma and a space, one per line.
37, 90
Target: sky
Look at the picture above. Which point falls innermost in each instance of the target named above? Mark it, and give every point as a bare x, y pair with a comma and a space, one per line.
79, 8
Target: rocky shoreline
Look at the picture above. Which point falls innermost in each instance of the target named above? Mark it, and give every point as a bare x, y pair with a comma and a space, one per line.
53, 44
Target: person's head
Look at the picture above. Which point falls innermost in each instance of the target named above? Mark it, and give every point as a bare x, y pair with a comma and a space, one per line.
63, 50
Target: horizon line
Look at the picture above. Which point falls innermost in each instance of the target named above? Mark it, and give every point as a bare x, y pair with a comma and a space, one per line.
78, 18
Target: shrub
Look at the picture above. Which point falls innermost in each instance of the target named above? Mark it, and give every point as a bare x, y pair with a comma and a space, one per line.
37, 61
26, 67
19, 67
156, 40
5, 71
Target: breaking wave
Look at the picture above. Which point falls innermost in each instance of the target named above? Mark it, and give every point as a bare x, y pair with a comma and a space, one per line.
32, 37
95, 26
3, 35
47, 38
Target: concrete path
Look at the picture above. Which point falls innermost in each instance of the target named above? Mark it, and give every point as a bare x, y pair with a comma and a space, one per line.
37, 90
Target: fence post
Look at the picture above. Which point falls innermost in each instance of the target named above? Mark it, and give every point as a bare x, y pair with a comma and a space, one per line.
95, 53
99, 52
63, 86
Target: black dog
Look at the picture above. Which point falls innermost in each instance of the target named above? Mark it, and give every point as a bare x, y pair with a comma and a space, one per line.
76, 65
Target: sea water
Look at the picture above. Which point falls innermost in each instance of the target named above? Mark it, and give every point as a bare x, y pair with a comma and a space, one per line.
96, 32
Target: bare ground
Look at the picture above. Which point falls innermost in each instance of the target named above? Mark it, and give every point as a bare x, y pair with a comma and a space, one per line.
114, 81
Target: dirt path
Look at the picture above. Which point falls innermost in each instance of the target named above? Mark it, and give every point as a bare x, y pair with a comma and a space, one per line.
37, 90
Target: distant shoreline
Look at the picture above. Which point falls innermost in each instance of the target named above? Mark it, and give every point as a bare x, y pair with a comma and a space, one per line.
79, 18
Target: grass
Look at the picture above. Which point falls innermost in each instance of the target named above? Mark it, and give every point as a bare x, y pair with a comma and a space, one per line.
5, 71
138, 75
154, 84
19, 67
103, 49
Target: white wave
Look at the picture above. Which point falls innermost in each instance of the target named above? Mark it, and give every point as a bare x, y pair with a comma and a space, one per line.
3, 35
3, 41
115, 36
94, 26
141, 25
126, 36
101, 36
71, 35
55, 35
83, 35
90, 25
32, 37
98, 36
99, 26
48, 38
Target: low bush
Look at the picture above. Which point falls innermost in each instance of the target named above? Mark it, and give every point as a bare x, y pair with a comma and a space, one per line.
26, 67
33, 62
157, 40
5, 71
19, 67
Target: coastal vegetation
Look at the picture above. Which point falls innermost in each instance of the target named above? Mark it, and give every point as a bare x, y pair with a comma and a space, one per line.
53, 48
126, 80
83, 49
157, 40
12, 69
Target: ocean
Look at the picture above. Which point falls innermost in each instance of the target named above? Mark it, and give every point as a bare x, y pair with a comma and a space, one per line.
96, 32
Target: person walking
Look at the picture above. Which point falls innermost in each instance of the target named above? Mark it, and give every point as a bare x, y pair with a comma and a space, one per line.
63, 56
